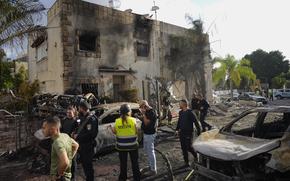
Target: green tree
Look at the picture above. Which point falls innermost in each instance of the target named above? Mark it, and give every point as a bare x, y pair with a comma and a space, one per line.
6, 81
281, 80
17, 18
232, 71
20, 77
268, 65
278, 81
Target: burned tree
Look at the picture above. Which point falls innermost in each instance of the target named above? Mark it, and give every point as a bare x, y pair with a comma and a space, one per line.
187, 58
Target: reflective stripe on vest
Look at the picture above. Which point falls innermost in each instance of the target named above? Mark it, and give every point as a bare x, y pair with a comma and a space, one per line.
126, 134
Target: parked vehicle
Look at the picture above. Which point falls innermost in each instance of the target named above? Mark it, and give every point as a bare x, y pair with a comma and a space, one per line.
107, 114
282, 93
251, 96
254, 146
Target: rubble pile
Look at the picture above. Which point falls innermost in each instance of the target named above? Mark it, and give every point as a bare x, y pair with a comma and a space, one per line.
50, 104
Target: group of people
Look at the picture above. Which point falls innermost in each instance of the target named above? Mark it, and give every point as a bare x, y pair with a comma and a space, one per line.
77, 132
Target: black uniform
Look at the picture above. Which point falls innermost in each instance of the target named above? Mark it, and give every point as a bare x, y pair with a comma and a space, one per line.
86, 134
68, 126
185, 127
194, 104
203, 107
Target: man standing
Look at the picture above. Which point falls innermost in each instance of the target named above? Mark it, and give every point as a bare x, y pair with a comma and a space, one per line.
166, 104
185, 130
149, 125
203, 108
194, 104
68, 123
63, 149
85, 136
68, 126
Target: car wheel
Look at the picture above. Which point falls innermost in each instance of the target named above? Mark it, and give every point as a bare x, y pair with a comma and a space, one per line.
279, 97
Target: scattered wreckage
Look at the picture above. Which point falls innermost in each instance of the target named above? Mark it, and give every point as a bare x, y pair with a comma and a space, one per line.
50, 104
254, 146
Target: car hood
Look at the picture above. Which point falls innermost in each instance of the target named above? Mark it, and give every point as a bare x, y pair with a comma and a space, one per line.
231, 147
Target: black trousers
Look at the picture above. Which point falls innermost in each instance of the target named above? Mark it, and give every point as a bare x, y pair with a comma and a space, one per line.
123, 156
204, 124
86, 157
186, 146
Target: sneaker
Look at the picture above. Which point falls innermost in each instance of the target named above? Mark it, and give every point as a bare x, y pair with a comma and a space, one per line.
145, 169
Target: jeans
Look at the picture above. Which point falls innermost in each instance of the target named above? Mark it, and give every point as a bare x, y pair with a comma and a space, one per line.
123, 156
148, 143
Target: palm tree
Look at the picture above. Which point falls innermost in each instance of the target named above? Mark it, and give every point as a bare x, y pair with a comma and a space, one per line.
17, 18
231, 70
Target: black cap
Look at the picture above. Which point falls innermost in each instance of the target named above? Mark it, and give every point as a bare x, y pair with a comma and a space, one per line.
85, 105
124, 109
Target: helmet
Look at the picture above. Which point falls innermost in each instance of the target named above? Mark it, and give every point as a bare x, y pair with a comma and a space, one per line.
124, 109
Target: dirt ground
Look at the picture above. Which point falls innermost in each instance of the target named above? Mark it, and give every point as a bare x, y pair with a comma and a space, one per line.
107, 166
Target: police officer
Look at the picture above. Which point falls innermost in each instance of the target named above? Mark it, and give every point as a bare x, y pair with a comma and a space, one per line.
127, 142
85, 135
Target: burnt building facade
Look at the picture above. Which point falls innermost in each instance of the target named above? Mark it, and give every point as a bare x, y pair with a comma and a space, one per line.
92, 48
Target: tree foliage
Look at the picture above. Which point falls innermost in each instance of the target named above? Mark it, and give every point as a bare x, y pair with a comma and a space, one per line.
268, 65
6, 79
279, 81
17, 18
232, 71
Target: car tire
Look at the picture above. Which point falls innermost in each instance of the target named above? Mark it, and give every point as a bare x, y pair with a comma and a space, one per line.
279, 97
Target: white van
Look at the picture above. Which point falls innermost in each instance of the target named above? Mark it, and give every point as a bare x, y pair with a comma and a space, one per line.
282, 93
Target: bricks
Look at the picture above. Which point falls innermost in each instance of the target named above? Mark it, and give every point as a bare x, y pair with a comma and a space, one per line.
9, 130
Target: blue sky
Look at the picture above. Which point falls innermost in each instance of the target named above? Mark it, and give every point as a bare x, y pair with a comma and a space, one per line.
236, 27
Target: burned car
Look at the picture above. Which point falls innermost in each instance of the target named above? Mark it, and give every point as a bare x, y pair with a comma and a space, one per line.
254, 146
107, 114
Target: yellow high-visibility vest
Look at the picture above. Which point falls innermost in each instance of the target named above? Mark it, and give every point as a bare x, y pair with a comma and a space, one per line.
126, 134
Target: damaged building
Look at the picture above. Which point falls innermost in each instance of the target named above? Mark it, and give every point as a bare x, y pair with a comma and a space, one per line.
92, 48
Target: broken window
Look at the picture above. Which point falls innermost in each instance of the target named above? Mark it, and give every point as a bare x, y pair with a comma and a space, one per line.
142, 49
41, 51
273, 126
246, 125
88, 41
